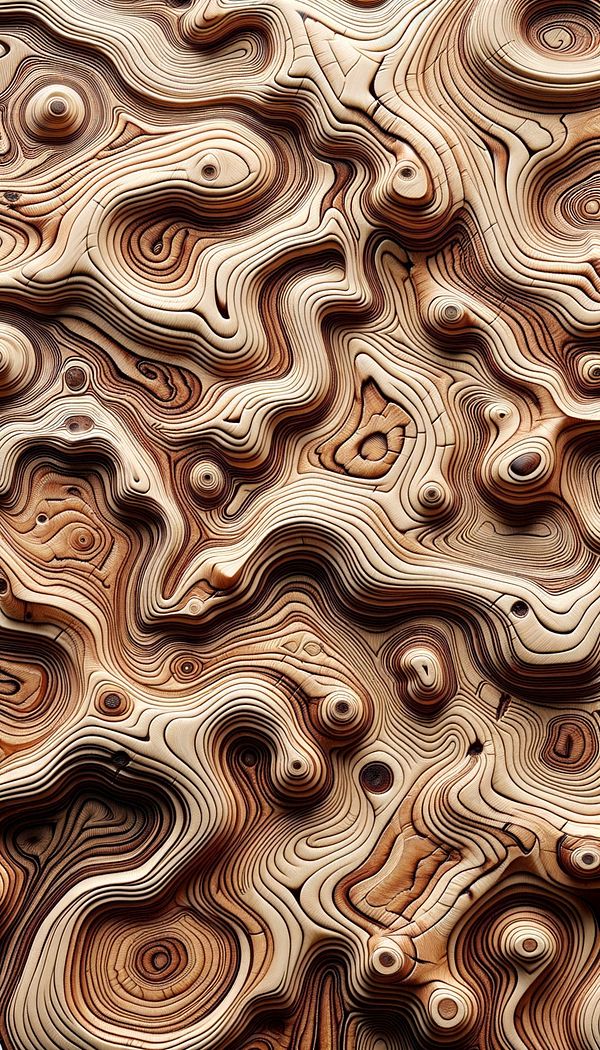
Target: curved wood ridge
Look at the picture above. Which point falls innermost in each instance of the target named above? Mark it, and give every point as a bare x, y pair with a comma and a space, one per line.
299, 524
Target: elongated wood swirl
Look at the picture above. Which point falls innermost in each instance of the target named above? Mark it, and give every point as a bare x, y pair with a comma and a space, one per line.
300, 524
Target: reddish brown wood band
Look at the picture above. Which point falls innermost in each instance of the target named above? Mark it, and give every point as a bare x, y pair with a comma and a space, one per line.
299, 524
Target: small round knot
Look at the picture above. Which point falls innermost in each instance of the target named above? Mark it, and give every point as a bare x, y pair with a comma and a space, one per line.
522, 465
299, 768
376, 778
76, 377
82, 538
410, 182
447, 314
586, 860
407, 171
434, 498
387, 959
55, 112
500, 413
451, 313
588, 371
341, 711
208, 481
525, 464
113, 703
431, 494
185, 668
249, 756
528, 942
79, 424
209, 168
298, 775
450, 1008
580, 857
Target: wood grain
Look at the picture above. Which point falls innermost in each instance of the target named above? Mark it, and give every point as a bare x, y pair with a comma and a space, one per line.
299, 524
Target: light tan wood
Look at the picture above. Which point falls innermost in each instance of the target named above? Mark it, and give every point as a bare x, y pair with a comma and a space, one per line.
299, 524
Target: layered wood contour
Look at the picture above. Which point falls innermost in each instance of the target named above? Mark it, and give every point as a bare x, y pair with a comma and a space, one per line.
299, 524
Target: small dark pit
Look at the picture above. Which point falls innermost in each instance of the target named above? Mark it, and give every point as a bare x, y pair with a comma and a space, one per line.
113, 702
376, 777
75, 377
524, 465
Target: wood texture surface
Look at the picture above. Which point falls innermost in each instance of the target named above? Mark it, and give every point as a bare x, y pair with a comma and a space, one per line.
299, 524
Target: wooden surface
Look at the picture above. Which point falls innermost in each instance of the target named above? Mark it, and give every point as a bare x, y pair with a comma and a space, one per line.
299, 524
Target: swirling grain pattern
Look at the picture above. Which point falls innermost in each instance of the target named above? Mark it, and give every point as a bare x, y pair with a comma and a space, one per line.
300, 524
